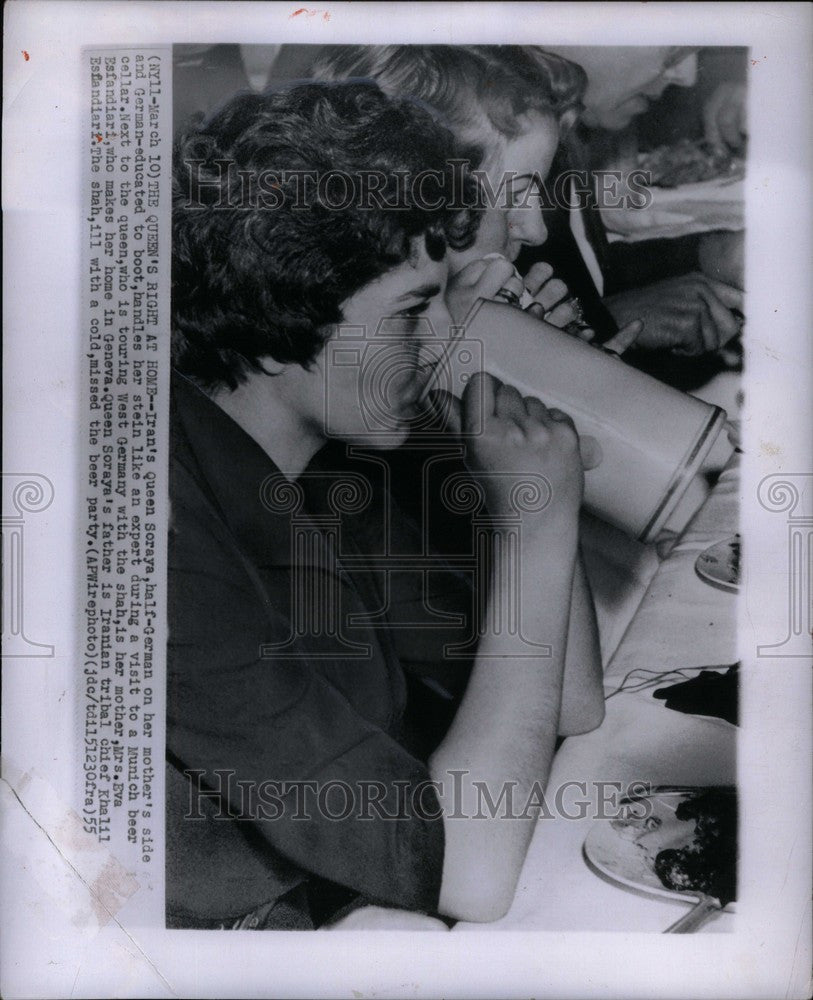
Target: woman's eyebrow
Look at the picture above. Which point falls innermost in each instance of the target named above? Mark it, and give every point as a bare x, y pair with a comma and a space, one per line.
421, 292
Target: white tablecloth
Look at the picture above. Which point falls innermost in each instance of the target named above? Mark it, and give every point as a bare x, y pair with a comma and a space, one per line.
681, 622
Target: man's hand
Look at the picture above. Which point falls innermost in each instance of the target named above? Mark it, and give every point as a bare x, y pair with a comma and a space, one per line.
724, 117
690, 314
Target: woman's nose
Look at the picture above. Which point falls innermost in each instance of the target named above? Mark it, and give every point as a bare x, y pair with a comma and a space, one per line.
684, 73
528, 225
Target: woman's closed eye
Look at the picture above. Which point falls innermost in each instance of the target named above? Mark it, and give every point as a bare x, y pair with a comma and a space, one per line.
417, 310
403, 323
409, 318
416, 303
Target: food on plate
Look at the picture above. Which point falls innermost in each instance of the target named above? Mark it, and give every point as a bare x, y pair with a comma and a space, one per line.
708, 863
633, 823
721, 562
688, 162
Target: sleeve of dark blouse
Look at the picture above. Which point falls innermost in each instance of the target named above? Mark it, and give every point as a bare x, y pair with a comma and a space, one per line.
266, 721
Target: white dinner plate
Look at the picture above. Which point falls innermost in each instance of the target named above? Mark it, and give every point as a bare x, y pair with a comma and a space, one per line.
719, 564
624, 851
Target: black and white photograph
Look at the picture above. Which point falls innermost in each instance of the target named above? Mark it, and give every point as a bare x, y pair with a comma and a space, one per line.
407, 500
437, 430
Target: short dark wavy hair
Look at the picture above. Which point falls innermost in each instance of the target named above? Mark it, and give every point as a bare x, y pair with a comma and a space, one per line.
494, 85
251, 281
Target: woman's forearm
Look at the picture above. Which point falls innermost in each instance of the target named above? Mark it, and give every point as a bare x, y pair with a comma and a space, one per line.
504, 733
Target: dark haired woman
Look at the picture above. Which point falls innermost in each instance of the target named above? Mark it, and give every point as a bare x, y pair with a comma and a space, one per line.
291, 794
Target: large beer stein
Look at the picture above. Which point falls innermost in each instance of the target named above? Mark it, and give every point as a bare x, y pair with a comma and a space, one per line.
653, 438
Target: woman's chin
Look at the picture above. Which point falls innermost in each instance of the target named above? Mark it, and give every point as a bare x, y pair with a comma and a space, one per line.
457, 261
512, 250
392, 435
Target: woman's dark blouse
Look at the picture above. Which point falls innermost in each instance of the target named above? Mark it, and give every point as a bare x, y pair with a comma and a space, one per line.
314, 707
